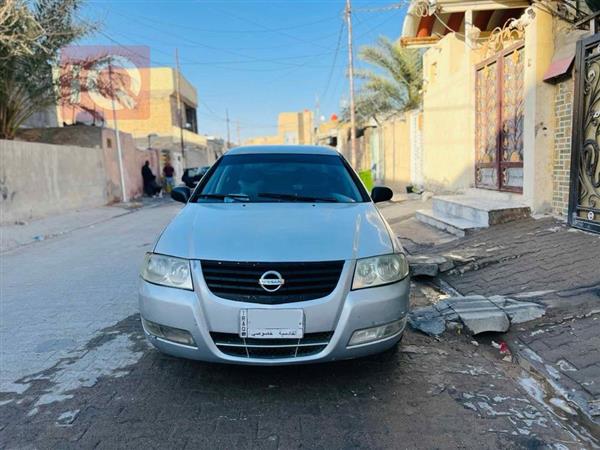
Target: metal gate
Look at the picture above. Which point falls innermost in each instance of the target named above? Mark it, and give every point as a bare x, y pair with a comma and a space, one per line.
499, 121
584, 202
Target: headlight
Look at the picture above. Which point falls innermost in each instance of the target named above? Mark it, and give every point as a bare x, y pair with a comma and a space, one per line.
167, 271
371, 272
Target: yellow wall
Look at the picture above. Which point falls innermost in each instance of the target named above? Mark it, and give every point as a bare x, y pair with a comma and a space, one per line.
162, 118
448, 105
396, 151
263, 140
394, 139
292, 128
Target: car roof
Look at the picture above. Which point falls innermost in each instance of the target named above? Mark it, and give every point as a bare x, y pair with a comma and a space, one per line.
289, 149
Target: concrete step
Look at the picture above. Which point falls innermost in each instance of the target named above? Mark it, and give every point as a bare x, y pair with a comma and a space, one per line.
482, 210
451, 224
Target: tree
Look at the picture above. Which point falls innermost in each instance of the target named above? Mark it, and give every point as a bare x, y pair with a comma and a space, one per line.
19, 31
395, 84
28, 81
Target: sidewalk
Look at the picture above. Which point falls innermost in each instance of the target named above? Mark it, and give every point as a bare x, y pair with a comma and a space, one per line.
546, 262
16, 235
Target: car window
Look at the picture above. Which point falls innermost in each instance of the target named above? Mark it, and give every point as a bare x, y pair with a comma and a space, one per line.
281, 178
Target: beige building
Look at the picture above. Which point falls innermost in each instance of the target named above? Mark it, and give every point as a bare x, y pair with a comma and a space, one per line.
505, 127
158, 125
292, 128
498, 93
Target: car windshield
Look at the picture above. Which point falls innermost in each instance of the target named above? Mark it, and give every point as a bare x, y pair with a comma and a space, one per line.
281, 178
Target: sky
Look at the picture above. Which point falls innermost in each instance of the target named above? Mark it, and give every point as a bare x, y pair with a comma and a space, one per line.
253, 58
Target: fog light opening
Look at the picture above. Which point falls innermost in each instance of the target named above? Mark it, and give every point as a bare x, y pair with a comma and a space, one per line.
378, 333
167, 333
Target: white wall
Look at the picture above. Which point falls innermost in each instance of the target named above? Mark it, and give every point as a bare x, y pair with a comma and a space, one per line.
42, 179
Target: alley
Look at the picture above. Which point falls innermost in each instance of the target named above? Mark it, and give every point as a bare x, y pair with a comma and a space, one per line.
78, 372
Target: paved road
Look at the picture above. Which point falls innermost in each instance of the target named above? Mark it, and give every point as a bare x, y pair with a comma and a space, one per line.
76, 372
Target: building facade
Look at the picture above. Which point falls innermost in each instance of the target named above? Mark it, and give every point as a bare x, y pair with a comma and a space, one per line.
499, 100
160, 127
293, 128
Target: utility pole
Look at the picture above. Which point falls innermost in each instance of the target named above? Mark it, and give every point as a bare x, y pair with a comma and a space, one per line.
179, 107
228, 133
317, 122
117, 137
351, 78
237, 124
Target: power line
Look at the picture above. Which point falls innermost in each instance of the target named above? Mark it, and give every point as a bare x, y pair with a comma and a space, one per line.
335, 56
283, 33
283, 61
390, 7
223, 31
218, 64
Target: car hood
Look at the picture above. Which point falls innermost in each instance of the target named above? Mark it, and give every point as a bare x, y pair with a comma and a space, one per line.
273, 232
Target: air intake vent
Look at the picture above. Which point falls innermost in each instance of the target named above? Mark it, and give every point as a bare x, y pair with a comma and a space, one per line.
233, 345
302, 280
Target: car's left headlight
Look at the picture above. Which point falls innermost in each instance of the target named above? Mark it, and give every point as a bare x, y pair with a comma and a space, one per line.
379, 270
167, 271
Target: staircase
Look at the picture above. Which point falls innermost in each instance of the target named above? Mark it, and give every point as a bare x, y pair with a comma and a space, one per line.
459, 214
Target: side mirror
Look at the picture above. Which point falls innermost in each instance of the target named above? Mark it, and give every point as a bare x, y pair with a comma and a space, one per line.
381, 194
181, 194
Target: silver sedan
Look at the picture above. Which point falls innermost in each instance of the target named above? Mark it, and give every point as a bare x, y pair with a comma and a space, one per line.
278, 257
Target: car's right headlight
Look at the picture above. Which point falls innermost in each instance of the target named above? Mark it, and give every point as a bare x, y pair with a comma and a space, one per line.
379, 270
167, 271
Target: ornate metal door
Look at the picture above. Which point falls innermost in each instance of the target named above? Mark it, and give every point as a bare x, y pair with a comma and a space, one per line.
584, 204
499, 121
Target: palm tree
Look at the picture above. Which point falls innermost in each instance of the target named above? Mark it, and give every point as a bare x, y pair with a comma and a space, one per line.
395, 84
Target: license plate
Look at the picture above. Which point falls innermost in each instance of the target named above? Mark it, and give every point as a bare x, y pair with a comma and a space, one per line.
272, 323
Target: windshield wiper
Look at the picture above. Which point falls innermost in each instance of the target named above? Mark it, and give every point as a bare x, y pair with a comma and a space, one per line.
224, 196
297, 198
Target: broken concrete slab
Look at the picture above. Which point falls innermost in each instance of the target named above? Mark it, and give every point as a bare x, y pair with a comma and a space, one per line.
519, 312
428, 320
425, 265
485, 321
479, 314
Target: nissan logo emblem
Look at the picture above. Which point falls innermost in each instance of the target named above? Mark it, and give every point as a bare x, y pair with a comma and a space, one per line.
271, 281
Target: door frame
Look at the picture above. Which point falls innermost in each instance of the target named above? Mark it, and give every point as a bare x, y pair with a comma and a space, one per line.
498, 59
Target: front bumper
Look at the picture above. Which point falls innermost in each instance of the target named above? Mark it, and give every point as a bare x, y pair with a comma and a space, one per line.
340, 313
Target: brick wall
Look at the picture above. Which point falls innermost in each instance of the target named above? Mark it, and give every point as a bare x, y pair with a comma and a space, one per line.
562, 147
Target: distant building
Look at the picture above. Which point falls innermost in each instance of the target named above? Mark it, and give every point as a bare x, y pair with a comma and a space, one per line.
292, 128
160, 127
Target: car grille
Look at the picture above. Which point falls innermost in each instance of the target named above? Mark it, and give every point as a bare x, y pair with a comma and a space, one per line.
303, 280
233, 345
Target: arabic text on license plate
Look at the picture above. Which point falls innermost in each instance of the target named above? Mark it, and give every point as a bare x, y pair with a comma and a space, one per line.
272, 323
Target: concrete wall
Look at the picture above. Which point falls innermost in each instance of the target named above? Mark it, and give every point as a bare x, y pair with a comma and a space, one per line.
391, 141
539, 119
448, 137
133, 160
397, 152
105, 140
41, 179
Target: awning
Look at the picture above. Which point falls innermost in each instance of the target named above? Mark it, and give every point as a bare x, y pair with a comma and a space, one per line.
559, 69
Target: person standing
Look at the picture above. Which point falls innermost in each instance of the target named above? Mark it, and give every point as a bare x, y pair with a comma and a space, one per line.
151, 188
169, 173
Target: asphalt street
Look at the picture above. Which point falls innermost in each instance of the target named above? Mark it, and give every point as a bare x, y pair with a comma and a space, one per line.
77, 372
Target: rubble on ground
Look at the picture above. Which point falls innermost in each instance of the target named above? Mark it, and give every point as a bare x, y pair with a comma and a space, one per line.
477, 313
423, 265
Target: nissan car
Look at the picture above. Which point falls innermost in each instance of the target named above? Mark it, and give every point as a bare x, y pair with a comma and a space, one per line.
279, 256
